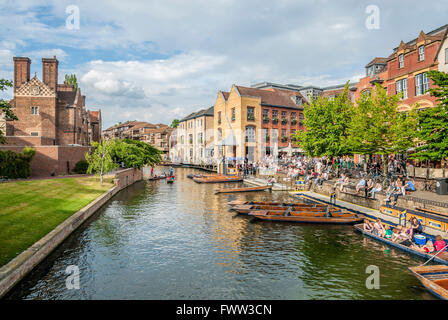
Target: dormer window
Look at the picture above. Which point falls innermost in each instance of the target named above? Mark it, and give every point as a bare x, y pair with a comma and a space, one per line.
297, 100
421, 53
401, 61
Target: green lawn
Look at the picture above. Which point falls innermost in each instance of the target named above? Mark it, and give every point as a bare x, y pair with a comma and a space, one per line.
31, 209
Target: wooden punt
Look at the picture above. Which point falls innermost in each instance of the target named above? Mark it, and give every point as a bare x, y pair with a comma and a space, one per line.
245, 209
440, 258
218, 179
274, 203
307, 217
434, 279
249, 189
157, 178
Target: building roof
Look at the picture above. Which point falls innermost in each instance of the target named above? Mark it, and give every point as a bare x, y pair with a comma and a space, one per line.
377, 60
272, 97
94, 116
200, 113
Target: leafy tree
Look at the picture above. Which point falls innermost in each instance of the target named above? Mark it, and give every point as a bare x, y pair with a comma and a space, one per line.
71, 79
326, 122
5, 107
100, 158
175, 123
134, 153
378, 128
433, 122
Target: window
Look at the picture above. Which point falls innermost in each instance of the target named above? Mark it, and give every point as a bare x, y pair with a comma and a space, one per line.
233, 114
401, 61
34, 134
301, 118
284, 117
190, 138
267, 135
421, 53
219, 117
250, 134
446, 56
421, 83
200, 137
265, 115
219, 134
402, 86
250, 113
284, 136
274, 116
293, 118
35, 110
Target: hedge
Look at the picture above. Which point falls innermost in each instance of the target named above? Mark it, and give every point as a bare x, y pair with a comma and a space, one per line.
14, 165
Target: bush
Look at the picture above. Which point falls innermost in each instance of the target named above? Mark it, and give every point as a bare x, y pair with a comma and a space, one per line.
14, 165
81, 167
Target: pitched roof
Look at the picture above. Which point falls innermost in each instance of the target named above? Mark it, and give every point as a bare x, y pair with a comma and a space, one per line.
94, 116
271, 97
200, 113
377, 60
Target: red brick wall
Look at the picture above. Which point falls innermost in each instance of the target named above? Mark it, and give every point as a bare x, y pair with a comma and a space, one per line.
44, 122
288, 126
50, 159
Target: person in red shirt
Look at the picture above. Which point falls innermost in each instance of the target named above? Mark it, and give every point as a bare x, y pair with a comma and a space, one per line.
440, 243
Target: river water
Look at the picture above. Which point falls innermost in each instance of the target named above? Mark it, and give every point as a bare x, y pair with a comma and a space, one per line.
160, 241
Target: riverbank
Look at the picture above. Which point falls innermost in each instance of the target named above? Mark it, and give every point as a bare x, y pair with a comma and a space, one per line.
31, 209
52, 208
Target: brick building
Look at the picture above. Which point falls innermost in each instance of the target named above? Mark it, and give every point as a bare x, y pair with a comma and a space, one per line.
405, 70
251, 122
51, 118
157, 135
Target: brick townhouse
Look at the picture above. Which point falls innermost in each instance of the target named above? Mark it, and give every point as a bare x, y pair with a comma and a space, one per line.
156, 135
52, 119
405, 70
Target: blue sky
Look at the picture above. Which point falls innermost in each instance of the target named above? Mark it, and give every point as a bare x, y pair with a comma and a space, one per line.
159, 60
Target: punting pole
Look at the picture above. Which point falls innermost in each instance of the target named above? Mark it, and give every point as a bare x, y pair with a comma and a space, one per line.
435, 255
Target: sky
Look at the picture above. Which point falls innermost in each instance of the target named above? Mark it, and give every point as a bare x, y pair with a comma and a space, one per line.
160, 60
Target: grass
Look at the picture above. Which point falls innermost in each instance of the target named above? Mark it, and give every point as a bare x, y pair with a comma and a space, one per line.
31, 209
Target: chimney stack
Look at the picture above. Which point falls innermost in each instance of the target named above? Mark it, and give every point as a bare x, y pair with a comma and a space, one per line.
50, 72
21, 71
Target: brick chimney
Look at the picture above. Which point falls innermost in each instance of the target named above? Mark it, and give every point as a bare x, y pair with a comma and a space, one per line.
21, 71
50, 72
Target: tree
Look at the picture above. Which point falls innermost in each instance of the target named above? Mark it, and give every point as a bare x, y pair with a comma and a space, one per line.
100, 158
378, 128
5, 107
326, 122
134, 153
433, 122
175, 123
71, 79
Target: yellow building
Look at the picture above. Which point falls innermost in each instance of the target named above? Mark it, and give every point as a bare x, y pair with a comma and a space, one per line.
246, 121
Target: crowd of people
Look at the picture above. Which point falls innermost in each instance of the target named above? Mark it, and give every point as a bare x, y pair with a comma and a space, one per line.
405, 235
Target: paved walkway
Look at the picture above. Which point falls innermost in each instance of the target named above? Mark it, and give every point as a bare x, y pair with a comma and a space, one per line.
263, 182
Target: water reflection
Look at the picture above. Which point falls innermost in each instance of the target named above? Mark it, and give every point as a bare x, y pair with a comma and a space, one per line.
160, 241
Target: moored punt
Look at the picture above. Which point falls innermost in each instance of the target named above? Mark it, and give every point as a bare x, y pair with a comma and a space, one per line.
245, 209
440, 258
307, 217
249, 189
273, 203
434, 279
217, 179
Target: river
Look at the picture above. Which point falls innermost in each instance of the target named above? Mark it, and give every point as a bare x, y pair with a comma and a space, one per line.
160, 241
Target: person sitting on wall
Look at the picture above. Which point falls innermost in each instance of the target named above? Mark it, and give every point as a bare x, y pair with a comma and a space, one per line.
344, 184
369, 187
361, 185
378, 188
409, 185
